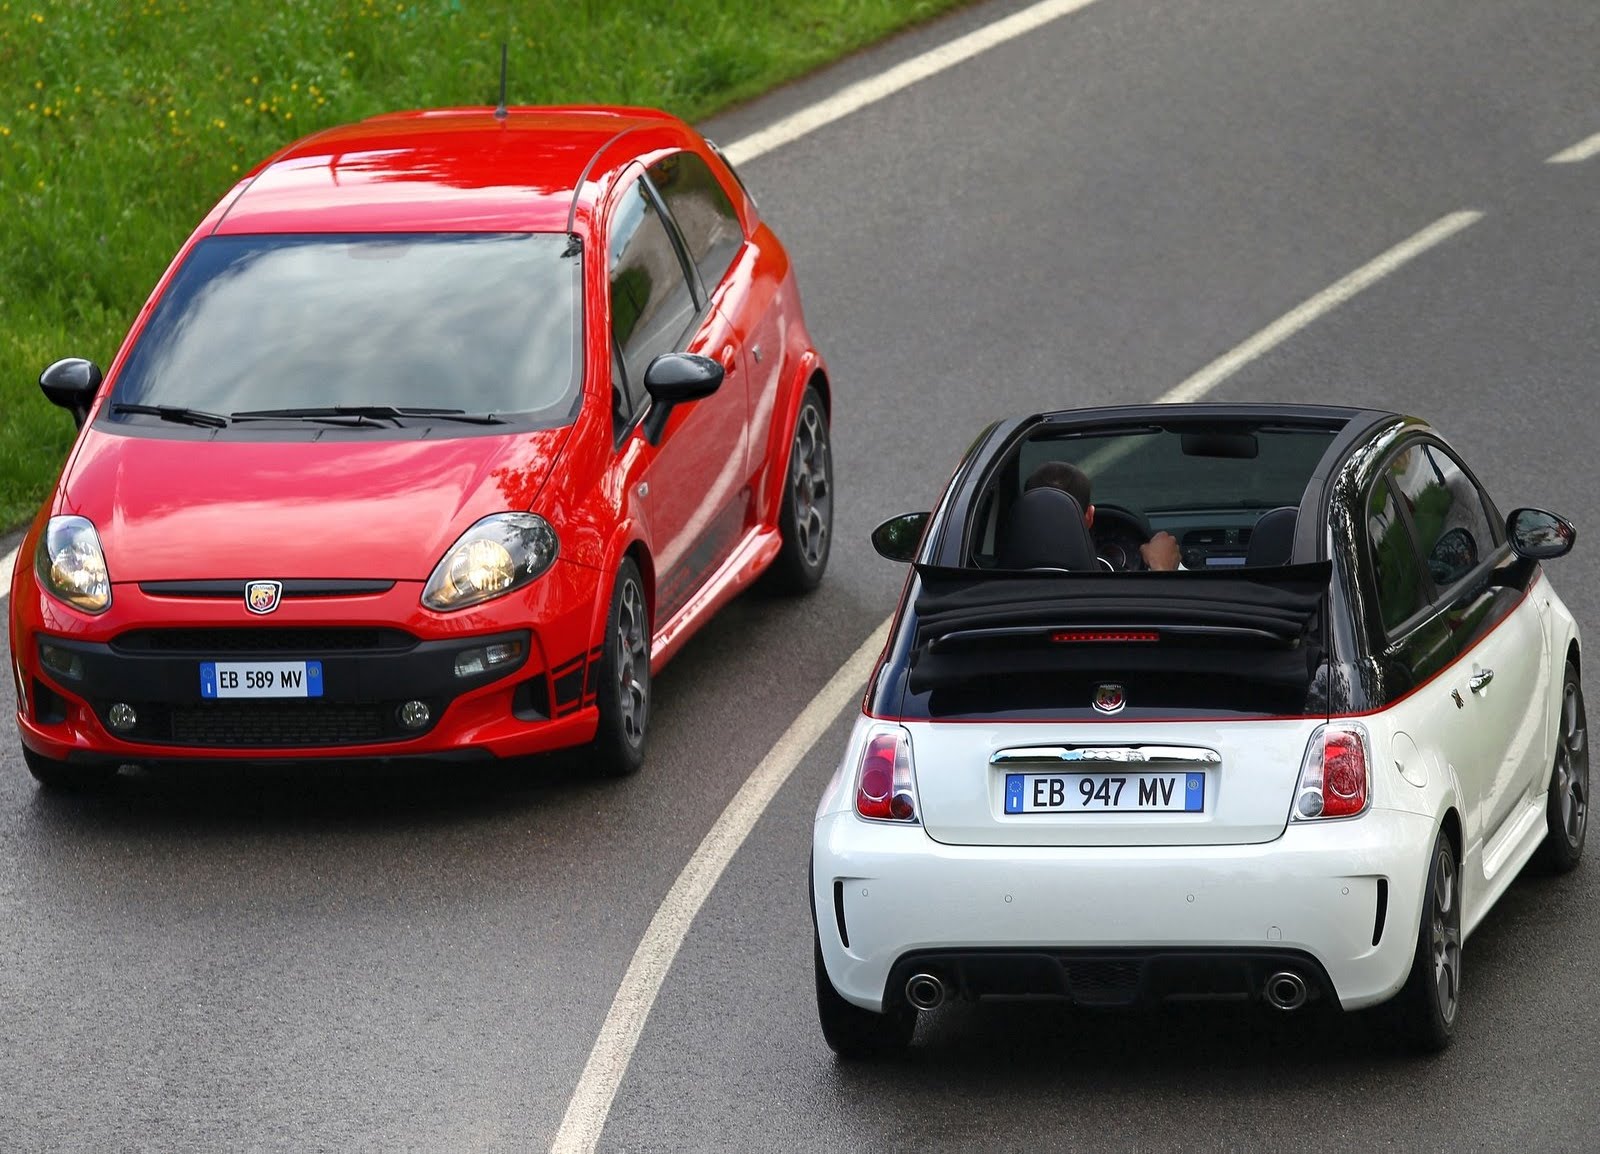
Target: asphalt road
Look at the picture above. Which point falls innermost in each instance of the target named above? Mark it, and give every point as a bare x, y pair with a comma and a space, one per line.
343, 959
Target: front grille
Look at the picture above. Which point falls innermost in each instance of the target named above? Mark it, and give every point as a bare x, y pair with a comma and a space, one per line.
263, 639
267, 724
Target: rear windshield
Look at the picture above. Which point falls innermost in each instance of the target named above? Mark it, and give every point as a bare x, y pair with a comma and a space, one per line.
484, 323
1170, 470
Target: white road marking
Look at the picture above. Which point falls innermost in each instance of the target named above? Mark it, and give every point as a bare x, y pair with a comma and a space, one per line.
873, 89
9, 564
1579, 152
1324, 302
613, 1049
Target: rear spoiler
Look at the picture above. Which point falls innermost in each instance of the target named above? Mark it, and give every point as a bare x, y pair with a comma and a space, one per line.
1252, 623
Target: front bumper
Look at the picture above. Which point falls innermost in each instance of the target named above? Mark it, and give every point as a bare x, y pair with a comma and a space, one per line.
1345, 895
377, 651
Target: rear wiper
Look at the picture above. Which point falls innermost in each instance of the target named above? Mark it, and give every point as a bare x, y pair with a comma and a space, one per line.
183, 416
391, 412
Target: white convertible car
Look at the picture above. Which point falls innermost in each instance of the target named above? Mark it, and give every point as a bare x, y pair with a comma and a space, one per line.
1301, 768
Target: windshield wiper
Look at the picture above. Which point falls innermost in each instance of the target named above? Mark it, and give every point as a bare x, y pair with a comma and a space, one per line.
325, 416
197, 417
395, 413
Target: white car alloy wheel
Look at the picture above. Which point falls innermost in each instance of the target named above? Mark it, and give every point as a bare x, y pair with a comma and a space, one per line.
1568, 813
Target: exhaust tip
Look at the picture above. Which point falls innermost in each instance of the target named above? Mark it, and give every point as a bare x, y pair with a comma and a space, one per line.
1286, 990
925, 991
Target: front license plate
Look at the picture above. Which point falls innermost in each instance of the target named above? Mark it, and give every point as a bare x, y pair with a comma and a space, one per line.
261, 679
1105, 792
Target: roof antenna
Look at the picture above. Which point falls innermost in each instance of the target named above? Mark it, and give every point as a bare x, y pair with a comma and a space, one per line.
500, 109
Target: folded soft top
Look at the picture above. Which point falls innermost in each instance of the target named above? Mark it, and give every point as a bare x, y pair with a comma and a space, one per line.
1259, 624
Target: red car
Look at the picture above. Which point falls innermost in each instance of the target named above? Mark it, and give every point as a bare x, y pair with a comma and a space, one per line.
442, 433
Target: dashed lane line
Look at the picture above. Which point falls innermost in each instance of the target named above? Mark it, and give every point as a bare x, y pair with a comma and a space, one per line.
1578, 153
1323, 303
856, 96
9, 564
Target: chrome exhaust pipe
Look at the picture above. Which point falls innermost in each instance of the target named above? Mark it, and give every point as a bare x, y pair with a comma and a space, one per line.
925, 991
1286, 990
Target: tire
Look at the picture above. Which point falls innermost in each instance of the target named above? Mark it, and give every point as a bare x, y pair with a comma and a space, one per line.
63, 777
1427, 1007
1567, 811
853, 1033
624, 694
805, 523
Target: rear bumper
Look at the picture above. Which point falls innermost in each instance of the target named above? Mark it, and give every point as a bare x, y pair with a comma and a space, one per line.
1344, 896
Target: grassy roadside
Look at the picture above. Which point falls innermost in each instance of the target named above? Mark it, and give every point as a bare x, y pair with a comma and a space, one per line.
122, 121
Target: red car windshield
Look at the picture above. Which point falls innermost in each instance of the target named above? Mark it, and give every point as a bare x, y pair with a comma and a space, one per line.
476, 322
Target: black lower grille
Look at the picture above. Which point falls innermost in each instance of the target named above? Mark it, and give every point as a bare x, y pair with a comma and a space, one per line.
263, 639
1105, 978
1103, 981
268, 725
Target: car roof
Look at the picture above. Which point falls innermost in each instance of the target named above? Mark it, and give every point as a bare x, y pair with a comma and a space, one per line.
461, 169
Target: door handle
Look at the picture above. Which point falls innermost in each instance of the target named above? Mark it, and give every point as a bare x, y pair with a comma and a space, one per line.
1480, 680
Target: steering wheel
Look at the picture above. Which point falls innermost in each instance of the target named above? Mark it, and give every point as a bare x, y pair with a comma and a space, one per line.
1118, 532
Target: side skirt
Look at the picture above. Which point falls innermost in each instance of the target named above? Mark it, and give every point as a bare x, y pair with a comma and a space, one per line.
748, 561
1502, 861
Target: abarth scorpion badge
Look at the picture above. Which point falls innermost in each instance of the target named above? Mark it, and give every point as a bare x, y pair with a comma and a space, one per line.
1109, 699
262, 597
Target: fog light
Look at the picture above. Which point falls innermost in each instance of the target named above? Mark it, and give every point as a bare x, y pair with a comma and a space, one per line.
121, 717
61, 662
415, 714
470, 662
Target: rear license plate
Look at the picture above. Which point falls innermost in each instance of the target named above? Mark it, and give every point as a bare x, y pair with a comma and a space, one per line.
1105, 792
261, 679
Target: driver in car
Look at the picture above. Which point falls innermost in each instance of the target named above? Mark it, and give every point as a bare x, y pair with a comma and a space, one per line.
1160, 552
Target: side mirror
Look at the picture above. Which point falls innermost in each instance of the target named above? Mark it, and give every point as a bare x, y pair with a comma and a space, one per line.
1538, 535
72, 383
898, 537
672, 379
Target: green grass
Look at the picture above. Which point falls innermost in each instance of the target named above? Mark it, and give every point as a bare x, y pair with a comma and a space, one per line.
121, 123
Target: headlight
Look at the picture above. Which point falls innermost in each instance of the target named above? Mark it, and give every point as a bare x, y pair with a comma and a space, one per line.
71, 566
498, 554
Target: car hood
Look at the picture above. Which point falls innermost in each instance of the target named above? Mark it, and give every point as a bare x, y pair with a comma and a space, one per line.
174, 509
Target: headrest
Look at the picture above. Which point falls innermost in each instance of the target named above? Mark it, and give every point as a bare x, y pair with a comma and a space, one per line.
1272, 540
1045, 530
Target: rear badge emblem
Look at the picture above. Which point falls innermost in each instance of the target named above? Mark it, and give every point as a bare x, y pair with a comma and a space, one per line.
262, 597
1109, 698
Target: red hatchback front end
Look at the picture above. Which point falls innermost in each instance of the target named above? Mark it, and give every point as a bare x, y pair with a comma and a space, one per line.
317, 640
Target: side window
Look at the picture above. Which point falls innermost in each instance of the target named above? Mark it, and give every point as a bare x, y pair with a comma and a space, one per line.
705, 216
1394, 559
1447, 511
651, 302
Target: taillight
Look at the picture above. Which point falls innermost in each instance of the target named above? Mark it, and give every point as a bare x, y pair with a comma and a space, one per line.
885, 790
1336, 776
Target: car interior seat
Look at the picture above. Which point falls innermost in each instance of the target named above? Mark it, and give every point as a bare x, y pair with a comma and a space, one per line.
1272, 540
1045, 530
